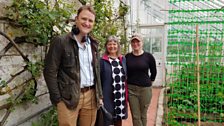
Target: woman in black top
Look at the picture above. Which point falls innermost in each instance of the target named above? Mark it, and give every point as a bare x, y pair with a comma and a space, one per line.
139, 63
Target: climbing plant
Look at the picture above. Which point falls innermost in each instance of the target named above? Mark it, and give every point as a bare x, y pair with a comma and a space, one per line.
37, 18
195, 65
110, 20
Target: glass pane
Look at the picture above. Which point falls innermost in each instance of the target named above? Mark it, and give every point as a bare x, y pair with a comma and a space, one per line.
153, 39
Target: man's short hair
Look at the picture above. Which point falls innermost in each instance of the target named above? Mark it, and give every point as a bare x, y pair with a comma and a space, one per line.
86, 7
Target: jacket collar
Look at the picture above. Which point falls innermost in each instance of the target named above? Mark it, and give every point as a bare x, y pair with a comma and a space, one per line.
89, 38
106, 57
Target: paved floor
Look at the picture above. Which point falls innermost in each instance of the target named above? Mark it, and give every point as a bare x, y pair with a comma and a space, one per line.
151, 111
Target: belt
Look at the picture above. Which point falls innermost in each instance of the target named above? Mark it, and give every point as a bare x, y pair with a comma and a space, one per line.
85, 89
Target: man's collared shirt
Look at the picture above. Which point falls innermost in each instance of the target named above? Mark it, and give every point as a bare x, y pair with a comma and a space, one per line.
85, 59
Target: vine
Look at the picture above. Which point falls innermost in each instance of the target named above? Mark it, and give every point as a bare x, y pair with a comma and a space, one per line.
39, 17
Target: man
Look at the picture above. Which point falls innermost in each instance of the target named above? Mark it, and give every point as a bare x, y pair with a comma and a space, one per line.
72, 73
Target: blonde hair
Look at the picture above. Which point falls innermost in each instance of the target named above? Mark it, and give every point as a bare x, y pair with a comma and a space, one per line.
114, 39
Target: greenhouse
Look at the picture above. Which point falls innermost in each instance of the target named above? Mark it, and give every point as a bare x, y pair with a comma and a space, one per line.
186, 38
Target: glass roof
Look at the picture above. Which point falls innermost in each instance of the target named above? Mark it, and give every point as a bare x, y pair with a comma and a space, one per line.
209, 14
154, 11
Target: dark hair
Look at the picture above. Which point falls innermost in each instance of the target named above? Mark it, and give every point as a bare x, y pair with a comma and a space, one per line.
115, 39
86, 7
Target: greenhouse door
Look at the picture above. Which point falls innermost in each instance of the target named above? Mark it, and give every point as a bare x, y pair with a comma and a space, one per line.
154, 42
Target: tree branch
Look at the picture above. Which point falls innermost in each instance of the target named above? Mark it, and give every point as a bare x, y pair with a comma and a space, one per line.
11, 22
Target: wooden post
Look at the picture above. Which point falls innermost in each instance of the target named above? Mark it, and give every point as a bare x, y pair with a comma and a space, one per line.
198, 76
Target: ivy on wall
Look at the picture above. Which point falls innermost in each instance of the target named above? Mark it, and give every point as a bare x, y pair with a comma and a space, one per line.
37, 18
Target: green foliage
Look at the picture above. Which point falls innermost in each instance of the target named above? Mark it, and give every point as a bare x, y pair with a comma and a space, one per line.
47, 119
35, 68
29, 93
123, 9
183, 96
110, 21
38, 18
2, 83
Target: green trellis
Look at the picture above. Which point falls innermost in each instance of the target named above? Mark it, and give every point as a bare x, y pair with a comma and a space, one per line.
187, 76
